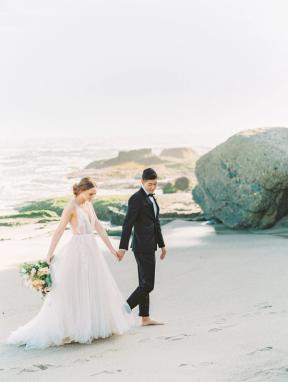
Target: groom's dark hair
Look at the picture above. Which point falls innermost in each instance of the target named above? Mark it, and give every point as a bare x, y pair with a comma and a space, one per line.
149, 174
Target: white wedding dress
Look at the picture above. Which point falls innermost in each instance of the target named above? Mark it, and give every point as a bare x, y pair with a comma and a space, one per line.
85, 302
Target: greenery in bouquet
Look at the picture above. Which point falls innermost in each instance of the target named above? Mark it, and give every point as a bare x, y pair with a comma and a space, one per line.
37, 276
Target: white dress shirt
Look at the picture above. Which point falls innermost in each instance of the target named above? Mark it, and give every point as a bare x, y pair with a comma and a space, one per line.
152, 200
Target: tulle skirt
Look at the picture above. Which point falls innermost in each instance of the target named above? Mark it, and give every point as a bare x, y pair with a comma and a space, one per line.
84, 303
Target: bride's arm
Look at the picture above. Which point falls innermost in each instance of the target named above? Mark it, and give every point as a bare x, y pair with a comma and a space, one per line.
102, 233
65, 218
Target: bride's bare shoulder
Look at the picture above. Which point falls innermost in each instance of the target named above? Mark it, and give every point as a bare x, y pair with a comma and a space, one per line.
70, 206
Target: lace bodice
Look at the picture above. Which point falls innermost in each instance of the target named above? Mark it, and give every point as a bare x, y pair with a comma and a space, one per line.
85, 218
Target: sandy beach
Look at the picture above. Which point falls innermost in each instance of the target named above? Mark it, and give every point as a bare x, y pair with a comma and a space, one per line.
222, 295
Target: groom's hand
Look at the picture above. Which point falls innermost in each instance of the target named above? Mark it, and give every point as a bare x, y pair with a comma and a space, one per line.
163, 253
121, 253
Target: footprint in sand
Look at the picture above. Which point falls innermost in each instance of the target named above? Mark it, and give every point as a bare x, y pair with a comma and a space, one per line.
222, 323
186, 365
267, 306
219, 329
27, 371
81, 360
267, 348
106, 372
178, 337
38, 368
43, 366
206, 363
215, 330
260, 307
269, 373
263, 305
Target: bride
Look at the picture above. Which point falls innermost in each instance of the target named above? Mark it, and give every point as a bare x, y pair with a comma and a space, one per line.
84, 302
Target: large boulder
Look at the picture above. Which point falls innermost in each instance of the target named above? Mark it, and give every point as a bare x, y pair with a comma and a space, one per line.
243, 182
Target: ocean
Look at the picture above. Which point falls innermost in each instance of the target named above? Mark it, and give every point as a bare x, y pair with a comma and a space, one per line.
41, 168
36, 170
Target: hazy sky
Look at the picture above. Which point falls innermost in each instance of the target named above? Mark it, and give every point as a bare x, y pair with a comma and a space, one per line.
198, 70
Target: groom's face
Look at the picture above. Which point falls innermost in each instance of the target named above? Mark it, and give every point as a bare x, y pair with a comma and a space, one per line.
150, 185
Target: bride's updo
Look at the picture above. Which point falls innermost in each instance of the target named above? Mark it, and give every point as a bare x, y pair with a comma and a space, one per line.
84, 184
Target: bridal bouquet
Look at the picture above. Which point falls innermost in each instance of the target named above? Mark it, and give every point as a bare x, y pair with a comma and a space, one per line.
37, 276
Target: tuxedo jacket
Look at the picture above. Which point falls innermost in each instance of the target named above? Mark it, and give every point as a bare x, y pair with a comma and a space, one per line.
141, 216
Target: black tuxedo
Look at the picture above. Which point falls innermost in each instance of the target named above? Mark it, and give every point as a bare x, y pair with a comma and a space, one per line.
146, 236
147, 231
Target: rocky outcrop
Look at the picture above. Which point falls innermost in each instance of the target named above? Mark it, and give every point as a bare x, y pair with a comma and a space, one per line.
141, 156
179, 153
244, 181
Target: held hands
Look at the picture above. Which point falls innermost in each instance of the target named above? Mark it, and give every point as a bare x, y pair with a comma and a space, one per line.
118, 254
163, 253
121, 253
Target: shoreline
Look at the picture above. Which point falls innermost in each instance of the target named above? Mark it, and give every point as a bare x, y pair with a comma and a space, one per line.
109, 208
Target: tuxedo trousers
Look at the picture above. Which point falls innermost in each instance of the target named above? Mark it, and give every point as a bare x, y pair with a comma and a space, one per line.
146, 276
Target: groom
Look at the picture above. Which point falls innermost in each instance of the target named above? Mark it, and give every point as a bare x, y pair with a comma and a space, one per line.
143, 215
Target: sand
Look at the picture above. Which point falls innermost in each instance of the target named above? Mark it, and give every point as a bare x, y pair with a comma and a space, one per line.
223, 296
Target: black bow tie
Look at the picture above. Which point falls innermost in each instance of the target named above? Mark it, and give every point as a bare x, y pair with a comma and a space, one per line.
150, 195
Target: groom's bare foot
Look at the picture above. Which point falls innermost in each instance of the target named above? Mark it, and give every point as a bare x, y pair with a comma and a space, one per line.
148, 321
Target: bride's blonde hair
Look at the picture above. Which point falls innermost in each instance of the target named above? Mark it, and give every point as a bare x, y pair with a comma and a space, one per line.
84, 184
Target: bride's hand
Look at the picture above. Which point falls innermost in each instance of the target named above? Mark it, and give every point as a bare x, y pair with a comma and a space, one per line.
48, 259
115, 253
